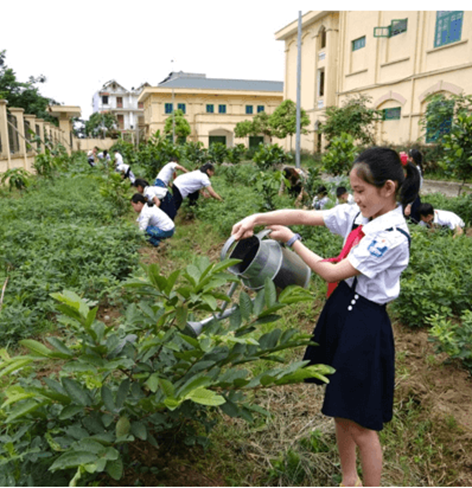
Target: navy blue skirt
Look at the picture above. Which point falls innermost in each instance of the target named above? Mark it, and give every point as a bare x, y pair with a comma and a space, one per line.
354, 336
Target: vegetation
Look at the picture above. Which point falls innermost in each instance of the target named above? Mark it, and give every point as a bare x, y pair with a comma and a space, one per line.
176, 124
354, 118
102, 125
24, 95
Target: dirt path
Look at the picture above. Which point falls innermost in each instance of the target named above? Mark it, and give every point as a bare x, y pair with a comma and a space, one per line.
447, 188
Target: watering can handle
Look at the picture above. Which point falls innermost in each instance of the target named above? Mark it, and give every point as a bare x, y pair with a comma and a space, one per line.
232, 240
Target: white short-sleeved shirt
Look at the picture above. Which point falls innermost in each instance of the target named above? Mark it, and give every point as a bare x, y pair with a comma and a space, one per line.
319, 204
446, 218
380, 256
191, 182
121, 167
154, 216
350, 200
166, 172
154, 191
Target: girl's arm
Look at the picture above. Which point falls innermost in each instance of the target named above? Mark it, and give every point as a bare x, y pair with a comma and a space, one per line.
156, 201
245, 228
213, 193
330, 272
185, 170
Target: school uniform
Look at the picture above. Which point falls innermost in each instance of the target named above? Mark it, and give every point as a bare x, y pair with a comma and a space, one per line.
445, 218
125, 169
320, 203
188, 185
354, 333
165, 197
165, 174
156, 223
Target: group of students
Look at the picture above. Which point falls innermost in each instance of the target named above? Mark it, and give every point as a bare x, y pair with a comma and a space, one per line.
157, 204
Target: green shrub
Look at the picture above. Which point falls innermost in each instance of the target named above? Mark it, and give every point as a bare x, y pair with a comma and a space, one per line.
106, 387
217, 152
17, 178
342, 152
270, 156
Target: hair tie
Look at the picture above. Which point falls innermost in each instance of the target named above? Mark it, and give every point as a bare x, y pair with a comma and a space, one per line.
404, 158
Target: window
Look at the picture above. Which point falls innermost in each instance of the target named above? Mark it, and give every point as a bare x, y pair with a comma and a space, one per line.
105, 99
119, 102
140, 105
13, 134
260, 108
210, 108
358, 43
168, 108
249, 109
121, 121
27, 127
323, 39
181, 106
448, 27
392, 113
321, 82
38, 134
397, 26
222, 109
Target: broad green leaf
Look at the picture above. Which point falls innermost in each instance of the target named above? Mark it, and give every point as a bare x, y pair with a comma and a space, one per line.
192, 384
15, 365
91, 317
171, 281
172, 403
89, 445
193, 274
139, 430
115, 469
70, 411
23, 409
203, 396
107, 398
72, 459
36, 347
60, 346
122, 427
76, 392
268, 319
259, 302
122, 393
181, 314
270, 293
210, 301
167, 387
16, 397
245, 305
153, 382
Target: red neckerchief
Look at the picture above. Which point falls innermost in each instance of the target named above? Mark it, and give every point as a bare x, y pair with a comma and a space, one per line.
352, 240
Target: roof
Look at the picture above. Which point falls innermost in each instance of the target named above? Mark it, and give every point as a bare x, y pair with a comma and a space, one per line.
200, 81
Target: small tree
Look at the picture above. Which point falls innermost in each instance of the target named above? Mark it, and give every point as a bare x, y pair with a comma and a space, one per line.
458, 148
284, 120
101, 125
340, 155
243, 129
353, 118
437, 119
179, 124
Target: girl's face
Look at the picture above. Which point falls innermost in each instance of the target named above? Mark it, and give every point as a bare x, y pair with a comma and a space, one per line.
372, 201
137, 206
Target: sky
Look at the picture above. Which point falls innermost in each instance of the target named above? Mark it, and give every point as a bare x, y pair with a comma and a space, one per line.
81, 45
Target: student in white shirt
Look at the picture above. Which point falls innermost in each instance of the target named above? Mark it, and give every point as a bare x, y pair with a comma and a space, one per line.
152, 220
354, 331
343, 196
321, 199
123, 168
161, 197
192, 183
168, 173
440, 218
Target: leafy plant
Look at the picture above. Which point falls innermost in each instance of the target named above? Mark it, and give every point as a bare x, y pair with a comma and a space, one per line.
236, 153
17, 178
146, 377
453, 337
342, 152
284, 120
268, 156
354, 118
116, 189
217, 152
177, 124
267, 184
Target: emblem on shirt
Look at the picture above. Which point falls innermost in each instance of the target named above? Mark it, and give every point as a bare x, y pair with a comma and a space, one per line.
377, 249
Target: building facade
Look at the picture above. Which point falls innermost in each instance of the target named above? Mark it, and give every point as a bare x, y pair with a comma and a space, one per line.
116, 99
397, 58
212, 106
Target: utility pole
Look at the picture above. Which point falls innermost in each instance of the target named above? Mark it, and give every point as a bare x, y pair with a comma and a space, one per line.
173, 108
299, 73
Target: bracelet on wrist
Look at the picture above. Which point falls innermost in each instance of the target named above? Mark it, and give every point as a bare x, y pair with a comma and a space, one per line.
291, 241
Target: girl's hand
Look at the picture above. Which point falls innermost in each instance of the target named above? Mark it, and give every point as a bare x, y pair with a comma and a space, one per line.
280, 233
244, 228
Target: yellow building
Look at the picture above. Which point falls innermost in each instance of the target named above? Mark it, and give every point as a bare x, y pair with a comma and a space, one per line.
397, 58
212, 106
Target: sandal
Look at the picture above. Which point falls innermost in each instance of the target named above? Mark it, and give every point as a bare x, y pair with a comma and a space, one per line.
357, 483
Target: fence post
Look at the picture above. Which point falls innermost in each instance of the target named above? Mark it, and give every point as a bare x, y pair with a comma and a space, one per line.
5, 142
31, 150
19, 114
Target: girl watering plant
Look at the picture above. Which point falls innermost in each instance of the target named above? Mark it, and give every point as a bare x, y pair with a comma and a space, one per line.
354, 333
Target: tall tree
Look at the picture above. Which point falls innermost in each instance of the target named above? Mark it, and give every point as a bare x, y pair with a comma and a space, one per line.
179, 123
101, 125
24, 94
284, 120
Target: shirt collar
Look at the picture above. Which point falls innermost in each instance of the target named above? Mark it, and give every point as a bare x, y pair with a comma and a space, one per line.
390, 219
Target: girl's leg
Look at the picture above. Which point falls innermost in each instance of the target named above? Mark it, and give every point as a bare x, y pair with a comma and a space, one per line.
347, 452
369, 448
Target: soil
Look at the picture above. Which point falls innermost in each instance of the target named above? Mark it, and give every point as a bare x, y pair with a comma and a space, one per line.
447, 188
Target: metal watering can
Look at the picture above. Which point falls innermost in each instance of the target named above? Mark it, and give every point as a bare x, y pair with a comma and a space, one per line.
261, 259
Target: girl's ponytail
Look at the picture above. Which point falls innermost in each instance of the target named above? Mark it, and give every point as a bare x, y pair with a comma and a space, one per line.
411, 185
